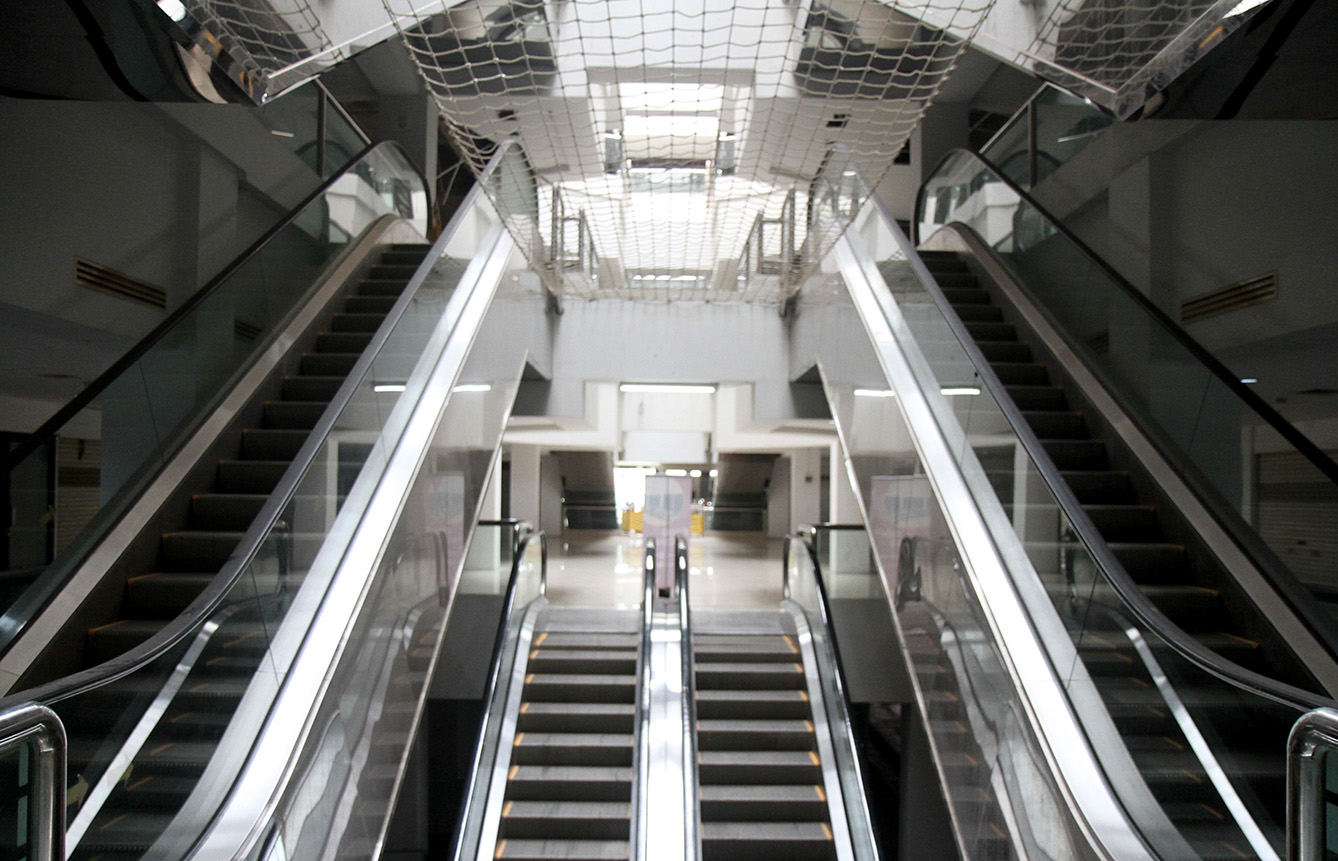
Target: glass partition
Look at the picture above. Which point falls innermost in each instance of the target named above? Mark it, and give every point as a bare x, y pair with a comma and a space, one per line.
1049, 130
1208, 424
1112, 666
146, 406
212, 693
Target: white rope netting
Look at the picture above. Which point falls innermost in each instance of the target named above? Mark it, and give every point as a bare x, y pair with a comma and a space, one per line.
658, 135
271, 34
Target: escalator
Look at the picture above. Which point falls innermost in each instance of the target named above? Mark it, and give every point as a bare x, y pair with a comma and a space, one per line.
1052, 476
1179, 580
253, 571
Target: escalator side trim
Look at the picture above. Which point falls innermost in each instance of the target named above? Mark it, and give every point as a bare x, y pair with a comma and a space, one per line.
506, 735
1098, 814
822, 733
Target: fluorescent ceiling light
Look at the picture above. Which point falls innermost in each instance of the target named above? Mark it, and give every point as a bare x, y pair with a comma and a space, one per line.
1244, 6
670, 388
671, 125
713, 473
175, 9
960, 390
381, 388
874, 393
473, 387
695, 473
676, 473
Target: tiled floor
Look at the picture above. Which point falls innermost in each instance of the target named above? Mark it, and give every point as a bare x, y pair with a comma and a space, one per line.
603, 569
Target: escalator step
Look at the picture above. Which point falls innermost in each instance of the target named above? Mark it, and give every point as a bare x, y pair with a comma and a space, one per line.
293, 415
980, 313
599, 820
763, 704
1077, 454
591, 783
565, 850
717, 734
586, 640
579, 687
1218, 843
1037, 397
576, 717
196, 550
147, 793
955, 278
163, 595
605, 661
329, 364
382, 286
1011, 352
401, 272
380, 305
129, 833
310, 387
749, 676
763, 768
795, 802
250, 476
116, 638
983, 330
272, 444
1151, 562
343, 342
225, 511
1056, 424
966, 295
751, 650
1125, 522
361, 323
1021, 373
723, 841
572, 748
1100, 486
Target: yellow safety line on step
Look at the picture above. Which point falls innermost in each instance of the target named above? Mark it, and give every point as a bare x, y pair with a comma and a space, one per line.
501, 847
519, 736
539, 640
804, 695
827, 830
506, 811
523, 707
794, 650
798, 668
808, 724
511, 775
814, 757
529, 678
822, 796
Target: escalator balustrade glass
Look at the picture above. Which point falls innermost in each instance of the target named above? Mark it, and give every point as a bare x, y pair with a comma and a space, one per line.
107, 445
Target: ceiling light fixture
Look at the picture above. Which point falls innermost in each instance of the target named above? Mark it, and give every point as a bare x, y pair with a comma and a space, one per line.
667, 388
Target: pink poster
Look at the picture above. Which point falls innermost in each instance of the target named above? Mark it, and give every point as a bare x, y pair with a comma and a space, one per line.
668, 515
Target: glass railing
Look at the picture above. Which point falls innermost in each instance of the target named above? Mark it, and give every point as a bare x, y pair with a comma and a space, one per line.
310, 122
1208, 423
498, 546
256, 618
804, 585
1089, 616
1051, 128
143, 408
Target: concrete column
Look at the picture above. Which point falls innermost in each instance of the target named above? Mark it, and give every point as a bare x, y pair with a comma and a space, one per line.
525, 483
491, 507
778, 499
845, 503
412, 121
805, 486
550, 495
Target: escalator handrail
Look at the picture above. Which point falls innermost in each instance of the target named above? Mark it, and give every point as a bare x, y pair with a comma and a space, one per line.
693, 820
213, 595
1300, 441
806, 535
640, 798
48, 430
1137, 602
522, 534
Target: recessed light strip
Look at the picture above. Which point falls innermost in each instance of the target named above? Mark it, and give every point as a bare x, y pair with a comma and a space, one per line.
667, 388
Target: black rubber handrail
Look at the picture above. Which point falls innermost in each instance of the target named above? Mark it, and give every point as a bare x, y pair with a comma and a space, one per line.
48, 430
1137, 602
1298, 440
214, 595
522, 534
693, 819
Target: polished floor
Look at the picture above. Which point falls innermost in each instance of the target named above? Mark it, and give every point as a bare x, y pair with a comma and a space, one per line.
728, 570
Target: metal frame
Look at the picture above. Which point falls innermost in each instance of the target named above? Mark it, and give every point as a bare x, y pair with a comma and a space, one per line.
1313, 739
35, 725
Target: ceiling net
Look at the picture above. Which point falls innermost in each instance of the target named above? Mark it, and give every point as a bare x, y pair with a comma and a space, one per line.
672, 149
